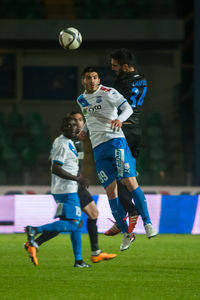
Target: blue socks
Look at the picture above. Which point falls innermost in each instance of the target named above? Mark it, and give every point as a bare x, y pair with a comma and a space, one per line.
77, 244
119, 214
141, 205
58, 226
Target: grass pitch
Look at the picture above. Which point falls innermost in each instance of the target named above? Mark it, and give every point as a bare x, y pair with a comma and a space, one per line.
165, 267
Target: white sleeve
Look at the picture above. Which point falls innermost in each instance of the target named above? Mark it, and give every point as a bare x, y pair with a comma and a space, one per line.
59, 154
126, 111
116, 98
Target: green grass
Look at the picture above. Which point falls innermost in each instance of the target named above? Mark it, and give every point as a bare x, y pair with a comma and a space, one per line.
166, 267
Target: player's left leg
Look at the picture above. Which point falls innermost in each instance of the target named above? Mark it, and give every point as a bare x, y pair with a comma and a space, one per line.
141, 204
58, 226
77, 249
107, 160
44, 237
88, 206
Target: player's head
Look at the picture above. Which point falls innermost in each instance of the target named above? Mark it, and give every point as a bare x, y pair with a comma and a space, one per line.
79, 119
122, 61
90, 79
69, 127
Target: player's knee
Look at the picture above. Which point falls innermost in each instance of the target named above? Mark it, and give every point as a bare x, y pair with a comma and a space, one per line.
131, 183
91, 211
94, 213
111, 190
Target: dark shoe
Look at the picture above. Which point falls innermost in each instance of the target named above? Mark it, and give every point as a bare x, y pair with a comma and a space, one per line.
31, 233
82, 265
112, 231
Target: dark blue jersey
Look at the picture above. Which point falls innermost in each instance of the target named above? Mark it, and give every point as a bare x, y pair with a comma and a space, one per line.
133, 87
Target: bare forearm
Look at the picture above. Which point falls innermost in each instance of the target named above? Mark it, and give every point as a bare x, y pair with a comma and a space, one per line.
59, 171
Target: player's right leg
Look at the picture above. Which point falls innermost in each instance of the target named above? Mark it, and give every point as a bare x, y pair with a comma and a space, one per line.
125, 198
76, 240
119, 215
130, 181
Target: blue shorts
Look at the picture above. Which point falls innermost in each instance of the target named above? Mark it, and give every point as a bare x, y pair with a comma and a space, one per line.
68, 206
114, 161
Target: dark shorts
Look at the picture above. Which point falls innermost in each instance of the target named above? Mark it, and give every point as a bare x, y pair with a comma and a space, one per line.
133, 138
84, 196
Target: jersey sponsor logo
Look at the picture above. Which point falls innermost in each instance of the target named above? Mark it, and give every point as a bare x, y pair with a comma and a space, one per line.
99, 99
94, 108
91, 109
105, 89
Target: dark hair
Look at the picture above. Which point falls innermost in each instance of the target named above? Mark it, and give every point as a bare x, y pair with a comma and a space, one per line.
65, 121
124, 56
75, 112
89, 70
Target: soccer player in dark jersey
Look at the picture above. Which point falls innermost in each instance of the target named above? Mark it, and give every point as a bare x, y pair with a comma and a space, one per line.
133, 86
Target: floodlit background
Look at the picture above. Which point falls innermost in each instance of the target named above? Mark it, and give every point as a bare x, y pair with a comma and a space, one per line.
39, 82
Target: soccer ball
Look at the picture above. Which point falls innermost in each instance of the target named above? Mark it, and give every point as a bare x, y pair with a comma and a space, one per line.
70, 38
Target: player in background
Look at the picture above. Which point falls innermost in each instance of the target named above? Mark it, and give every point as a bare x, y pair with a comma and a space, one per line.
112, 155
88, 205
64, 187
133, 86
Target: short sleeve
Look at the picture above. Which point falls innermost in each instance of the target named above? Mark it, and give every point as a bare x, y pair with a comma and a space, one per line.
116, 98
59, 153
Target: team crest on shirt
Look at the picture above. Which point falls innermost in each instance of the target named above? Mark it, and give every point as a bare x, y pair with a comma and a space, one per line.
99, 99
85, 111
